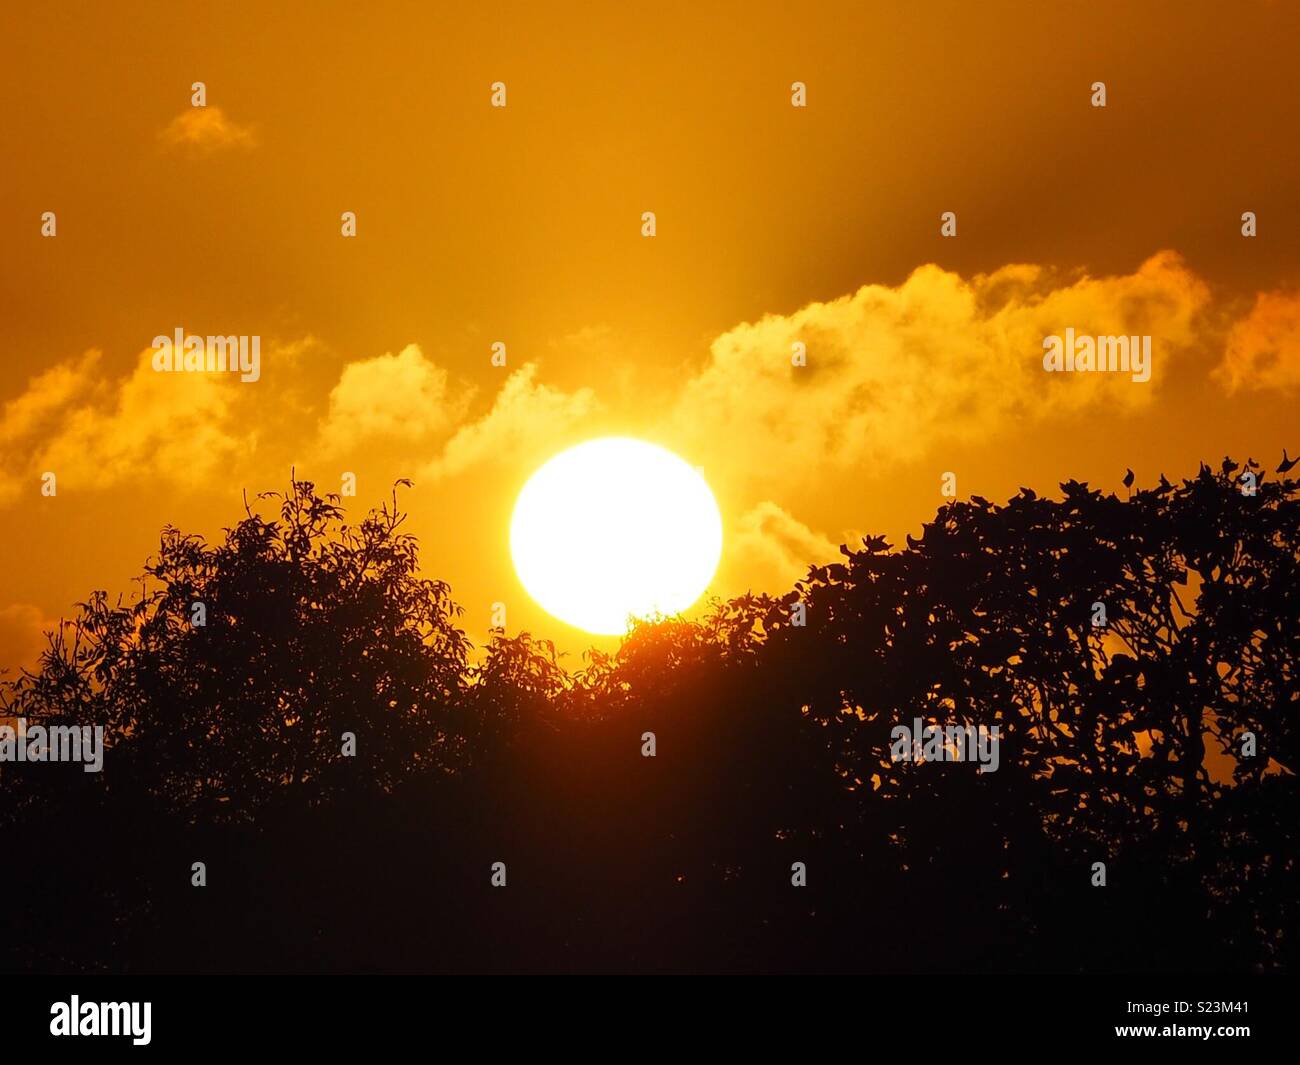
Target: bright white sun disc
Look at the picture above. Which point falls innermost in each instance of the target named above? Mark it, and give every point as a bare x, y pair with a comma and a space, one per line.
615, 528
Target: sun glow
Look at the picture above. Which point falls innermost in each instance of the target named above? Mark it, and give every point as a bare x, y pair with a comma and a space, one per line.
615, 528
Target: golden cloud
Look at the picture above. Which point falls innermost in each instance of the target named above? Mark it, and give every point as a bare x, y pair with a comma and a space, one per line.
1263, 349
22, 635
893, 370
403, 397
526, 419
769, 548
46, 395
93, 434
206, 130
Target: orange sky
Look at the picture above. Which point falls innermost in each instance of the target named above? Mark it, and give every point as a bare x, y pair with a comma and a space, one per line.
523, 224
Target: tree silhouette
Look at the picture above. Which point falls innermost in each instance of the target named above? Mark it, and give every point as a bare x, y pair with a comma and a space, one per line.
1127, 743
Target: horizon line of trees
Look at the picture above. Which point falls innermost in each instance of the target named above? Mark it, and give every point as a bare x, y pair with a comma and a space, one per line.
1159, 744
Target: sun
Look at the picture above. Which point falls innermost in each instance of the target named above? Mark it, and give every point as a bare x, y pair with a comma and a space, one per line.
615, 528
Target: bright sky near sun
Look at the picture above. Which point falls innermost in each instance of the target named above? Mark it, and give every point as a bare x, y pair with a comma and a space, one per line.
522, 226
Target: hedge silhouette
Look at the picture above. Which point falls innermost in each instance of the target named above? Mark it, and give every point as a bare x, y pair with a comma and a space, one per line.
1120, 744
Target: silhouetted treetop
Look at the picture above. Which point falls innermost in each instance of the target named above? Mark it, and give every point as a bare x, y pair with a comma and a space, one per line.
1138, 657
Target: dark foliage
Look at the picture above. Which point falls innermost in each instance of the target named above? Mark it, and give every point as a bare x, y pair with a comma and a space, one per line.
1118, 745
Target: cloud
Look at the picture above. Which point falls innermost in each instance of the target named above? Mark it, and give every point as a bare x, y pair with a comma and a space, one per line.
22, 636
93, 433
526, 418
1263, 349
46, 395
769, 548
402, 397
205, 130
590, 340
893, 370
